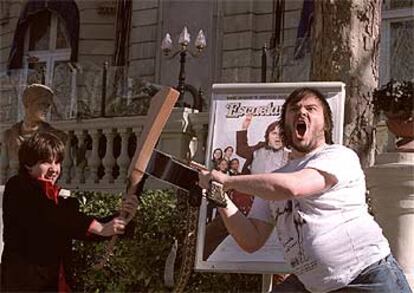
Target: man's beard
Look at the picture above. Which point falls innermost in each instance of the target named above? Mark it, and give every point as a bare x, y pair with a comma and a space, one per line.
303, 149
312, 145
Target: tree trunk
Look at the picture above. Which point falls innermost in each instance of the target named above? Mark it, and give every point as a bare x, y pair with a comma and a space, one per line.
345, 48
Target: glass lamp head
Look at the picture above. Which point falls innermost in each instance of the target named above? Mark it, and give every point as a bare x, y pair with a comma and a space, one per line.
166, 44
200, 41
184, 38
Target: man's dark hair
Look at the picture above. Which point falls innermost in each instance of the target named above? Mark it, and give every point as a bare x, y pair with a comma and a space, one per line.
269, 129
298, 95
41, 147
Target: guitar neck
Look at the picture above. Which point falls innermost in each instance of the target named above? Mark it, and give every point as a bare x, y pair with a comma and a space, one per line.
160, 109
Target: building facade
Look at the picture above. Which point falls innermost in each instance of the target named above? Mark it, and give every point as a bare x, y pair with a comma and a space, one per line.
67, 42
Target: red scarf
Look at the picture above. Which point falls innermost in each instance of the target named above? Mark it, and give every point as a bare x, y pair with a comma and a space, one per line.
50, 190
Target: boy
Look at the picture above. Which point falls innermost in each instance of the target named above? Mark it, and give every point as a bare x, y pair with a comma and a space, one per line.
39, 225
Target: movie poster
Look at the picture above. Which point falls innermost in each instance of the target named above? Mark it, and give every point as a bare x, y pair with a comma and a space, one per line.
244, 139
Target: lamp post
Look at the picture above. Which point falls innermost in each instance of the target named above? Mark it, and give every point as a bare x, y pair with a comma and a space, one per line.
183, 41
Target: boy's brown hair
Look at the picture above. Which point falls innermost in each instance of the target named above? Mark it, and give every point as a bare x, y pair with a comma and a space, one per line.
272, 126
41, 147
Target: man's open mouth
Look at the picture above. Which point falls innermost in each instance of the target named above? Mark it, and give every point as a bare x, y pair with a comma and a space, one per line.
301, 128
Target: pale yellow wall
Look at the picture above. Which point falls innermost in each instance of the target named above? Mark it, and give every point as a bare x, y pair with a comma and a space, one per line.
96, 33
246, 27
235, 39
144, 39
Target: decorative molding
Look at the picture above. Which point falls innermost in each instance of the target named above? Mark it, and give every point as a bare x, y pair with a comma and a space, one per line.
5, 11
398, 14
107, 7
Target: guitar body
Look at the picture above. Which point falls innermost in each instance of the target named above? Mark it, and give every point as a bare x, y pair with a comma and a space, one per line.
168, 169
185, 177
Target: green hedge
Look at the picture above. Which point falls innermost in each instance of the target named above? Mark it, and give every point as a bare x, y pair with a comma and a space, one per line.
138, 262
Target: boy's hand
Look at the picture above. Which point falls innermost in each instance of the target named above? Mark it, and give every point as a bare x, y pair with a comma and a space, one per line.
116, 226
129, 206
247, 121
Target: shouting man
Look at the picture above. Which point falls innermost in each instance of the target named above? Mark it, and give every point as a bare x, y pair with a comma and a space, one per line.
317, 203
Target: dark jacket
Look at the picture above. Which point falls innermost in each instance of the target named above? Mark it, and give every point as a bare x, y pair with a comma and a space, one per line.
37, 235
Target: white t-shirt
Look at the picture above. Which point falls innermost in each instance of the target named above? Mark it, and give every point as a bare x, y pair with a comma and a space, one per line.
328, 238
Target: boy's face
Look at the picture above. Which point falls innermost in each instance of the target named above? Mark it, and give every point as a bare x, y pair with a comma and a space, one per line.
274, 139
48, 171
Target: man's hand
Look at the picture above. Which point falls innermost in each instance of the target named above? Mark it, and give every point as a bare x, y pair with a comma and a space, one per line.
205, 177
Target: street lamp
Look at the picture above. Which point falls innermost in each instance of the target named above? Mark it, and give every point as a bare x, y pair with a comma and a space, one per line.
184, 41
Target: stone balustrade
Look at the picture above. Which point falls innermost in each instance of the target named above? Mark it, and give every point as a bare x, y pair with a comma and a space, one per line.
98, 151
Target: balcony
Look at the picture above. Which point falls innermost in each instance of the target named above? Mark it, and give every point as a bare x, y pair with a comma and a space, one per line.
99, 150
102, 109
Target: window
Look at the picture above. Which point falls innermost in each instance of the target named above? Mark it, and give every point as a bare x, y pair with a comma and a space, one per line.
45, 42
397, 41
46, 45
46, 57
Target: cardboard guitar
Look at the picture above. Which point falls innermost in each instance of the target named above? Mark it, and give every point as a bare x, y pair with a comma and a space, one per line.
184, 176
159, 110
146, 160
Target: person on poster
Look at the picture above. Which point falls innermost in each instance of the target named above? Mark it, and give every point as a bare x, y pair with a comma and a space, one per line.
215, 230
222, 165
317, 204
217, 155
39, 225
234, 166
241, 200
228, 153
265, 156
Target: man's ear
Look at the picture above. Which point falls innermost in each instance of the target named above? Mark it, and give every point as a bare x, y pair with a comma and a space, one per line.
28, 168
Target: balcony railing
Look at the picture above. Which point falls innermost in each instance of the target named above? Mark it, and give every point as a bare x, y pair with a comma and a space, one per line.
98, 151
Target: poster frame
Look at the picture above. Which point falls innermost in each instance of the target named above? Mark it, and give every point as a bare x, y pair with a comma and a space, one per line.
335, 94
